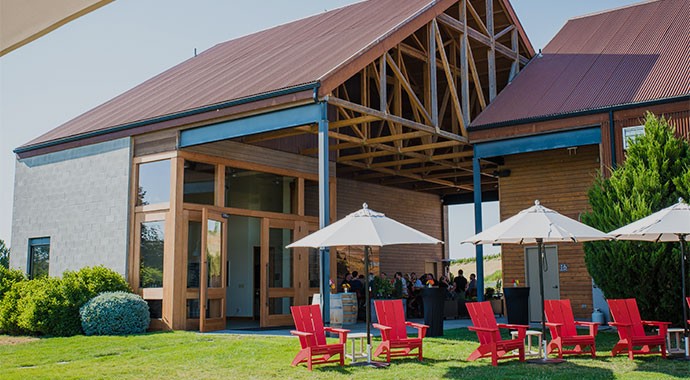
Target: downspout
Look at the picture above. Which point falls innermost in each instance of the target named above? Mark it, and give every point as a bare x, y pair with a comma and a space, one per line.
612, 138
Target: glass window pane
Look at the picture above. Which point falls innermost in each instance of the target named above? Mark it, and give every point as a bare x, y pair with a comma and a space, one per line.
154, 183
193, 254
193, 308
214, 237
151, 252
155, 309
260, 191
311, 198
280, 259
39, 257
314, 268
199, 182
279, 305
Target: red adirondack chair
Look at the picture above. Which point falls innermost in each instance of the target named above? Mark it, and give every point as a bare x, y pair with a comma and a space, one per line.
631, 330
393, 326
490, 341
688, 300
312, 337
563, 328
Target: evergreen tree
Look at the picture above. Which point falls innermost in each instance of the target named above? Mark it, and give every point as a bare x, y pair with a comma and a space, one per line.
4, 255
655, 174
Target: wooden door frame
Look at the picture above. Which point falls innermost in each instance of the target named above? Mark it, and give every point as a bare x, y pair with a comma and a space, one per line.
205, 293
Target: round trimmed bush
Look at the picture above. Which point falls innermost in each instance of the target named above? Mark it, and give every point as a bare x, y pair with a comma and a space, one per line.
115, 313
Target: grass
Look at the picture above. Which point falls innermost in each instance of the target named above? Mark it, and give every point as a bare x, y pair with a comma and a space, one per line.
181, 355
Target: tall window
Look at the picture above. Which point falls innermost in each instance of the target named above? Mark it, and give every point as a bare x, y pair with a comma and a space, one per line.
151, 251
39, 257
154, 183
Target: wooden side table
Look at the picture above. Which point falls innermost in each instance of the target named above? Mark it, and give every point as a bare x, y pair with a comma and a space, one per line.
678, 338
528, 338
354, 355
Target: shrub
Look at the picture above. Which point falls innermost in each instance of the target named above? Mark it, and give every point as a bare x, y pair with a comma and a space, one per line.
50, 306
115, 313
9, 277
656, 172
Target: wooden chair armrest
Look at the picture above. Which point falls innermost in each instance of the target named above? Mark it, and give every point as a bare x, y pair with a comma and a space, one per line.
554, 324
381, 327
421, 329
655, 323
481, 329
593, 326
342, 333
514, 327
620, 324
301, 333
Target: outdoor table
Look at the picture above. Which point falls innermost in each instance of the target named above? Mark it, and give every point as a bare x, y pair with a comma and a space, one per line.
678, 333
356, 355
528, 337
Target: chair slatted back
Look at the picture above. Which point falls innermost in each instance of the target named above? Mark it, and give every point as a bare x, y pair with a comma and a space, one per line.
560, 311
688, 300
307, 318
390, 313
625, 311
483, 316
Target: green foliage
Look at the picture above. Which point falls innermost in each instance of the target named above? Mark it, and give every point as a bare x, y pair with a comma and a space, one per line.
382, 288
468, 260
50, 306
9, 277
655, 174
115, 313
4, 255
150, 277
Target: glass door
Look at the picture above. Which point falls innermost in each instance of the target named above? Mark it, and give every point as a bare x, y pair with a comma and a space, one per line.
213, 276
279, 276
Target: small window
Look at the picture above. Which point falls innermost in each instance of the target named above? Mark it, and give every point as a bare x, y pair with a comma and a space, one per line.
39, 257
199, 182
154, 183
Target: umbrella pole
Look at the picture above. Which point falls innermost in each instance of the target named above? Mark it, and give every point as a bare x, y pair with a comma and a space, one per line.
545, 359
683, 263
368, 302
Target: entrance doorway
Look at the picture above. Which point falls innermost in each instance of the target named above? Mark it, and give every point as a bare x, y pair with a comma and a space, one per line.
551, 279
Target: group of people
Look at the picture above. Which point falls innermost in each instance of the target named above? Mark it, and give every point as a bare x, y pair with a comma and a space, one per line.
409, 286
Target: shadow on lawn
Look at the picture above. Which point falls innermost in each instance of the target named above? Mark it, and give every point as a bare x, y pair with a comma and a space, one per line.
657, 364
517, 370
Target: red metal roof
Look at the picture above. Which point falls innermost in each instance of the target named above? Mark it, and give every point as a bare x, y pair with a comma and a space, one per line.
627, 55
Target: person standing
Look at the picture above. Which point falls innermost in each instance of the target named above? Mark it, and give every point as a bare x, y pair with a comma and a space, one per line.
460, 283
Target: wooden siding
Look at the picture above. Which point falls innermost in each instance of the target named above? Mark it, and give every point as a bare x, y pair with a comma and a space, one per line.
156, 142
559, 179
418, 210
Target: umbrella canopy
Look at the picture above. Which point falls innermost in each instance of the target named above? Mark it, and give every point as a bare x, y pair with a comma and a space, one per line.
538, 225
366, 228
534, 224
666, 225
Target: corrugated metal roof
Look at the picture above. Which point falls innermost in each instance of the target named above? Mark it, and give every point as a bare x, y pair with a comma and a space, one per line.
628, 55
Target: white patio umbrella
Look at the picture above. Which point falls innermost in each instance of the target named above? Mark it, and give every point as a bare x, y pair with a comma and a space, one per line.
538, 225
671, 224
365, 228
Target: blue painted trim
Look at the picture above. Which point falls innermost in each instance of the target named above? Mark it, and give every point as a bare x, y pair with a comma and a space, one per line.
586, 136
265, 122
324, 206
232, 103
479, 249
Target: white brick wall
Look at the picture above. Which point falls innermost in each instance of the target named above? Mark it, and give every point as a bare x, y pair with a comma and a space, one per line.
78, 198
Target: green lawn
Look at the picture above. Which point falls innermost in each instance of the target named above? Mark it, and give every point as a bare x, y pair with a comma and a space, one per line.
182, 355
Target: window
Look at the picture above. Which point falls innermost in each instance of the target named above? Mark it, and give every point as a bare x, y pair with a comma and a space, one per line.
260, 191
151, 254
199, 182
39, 257
154, 183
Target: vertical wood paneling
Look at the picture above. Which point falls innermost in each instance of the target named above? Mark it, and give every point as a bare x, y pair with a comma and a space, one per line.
418, 210
559, 179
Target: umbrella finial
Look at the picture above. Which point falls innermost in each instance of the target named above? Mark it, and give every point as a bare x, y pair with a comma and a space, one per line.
365, 205
537, 203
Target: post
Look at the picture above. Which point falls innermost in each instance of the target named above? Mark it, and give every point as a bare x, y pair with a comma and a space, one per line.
683, 263
479, 249
541, 256
324, 212
432, 75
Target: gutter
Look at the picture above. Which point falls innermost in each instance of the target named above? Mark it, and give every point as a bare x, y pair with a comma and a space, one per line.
580, 113
309, 86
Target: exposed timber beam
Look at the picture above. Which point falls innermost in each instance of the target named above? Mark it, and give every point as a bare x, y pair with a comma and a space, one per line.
408, 88
393, 118
375, 140
504, 32
412, 176
395, 150
451, 82
491, 53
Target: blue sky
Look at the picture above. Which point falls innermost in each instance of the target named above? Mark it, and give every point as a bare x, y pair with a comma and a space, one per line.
109, 51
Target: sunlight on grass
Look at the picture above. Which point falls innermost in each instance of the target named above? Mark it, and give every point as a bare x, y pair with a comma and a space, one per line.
217, 356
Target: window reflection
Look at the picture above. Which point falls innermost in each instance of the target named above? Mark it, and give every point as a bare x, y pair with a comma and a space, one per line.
154, 183
280, 259
199, 182
213, 251
193, 254
151, 254
253, 190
